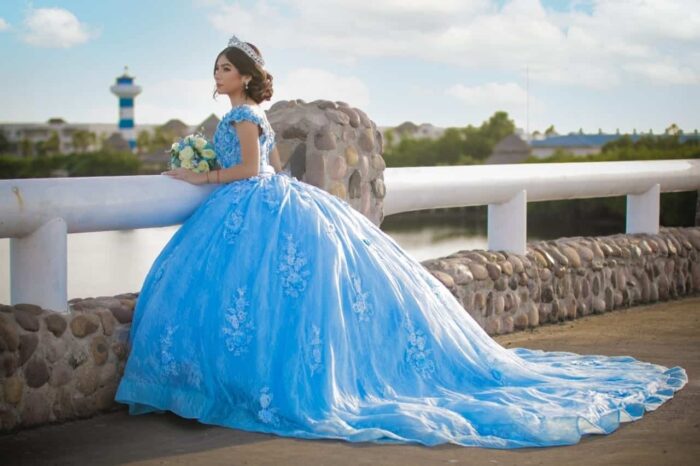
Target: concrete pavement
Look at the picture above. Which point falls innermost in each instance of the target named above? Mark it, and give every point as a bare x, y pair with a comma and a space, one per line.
665, 333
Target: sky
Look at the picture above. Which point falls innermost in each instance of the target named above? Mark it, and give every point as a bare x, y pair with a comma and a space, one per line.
576, 64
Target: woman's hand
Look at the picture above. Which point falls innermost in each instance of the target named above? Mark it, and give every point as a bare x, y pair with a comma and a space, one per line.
187, 175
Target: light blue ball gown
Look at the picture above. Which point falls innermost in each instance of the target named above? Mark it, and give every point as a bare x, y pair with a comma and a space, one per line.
277, 307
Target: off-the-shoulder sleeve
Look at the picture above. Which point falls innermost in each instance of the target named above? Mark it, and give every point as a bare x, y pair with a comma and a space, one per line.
243, 113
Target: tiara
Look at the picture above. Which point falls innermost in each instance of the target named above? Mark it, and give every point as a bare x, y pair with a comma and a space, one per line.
235, 42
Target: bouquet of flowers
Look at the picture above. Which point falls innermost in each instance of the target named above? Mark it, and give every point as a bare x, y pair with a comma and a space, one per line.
194, 153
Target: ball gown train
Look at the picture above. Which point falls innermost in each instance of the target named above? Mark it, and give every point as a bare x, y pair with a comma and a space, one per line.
276, 307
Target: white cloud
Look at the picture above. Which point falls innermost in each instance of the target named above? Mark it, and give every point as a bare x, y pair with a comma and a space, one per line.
312, 84
189, 100
574, 47
484, 99
55, 27
4, 24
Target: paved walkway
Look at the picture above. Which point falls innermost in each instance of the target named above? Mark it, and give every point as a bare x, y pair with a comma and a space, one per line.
666, 333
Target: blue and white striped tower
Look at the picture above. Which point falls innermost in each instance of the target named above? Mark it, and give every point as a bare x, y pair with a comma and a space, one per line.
126, 91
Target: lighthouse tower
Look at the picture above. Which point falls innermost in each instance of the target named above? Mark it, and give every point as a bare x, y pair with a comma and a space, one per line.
126, 91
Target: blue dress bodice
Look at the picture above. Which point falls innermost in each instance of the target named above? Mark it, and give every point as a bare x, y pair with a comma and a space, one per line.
226, 143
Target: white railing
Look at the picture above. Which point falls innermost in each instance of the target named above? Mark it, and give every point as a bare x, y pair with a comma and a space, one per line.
37, 214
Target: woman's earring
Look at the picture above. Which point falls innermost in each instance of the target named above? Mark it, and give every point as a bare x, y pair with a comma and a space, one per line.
246, 85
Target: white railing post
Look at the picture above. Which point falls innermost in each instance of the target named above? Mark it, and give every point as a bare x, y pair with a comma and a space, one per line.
507, 224
643, 211
38, 266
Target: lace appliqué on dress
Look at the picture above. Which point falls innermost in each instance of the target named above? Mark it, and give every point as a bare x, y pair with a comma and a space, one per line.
360, 306
417, 354
267, 413
240, 325
315, 345
291, 268
167, 360
233, 226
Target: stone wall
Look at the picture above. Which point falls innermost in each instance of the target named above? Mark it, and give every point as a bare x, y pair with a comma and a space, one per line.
55, 367
571, 277
335, 147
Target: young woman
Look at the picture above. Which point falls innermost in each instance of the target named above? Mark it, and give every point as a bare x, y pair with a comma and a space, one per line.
277, 307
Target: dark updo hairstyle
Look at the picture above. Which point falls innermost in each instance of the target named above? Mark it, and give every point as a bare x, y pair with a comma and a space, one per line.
260, 86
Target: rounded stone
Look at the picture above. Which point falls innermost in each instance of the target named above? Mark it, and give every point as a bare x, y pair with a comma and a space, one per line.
493, 326
352, 116
27, 320
31, 308
8, 363
506, 268
366, 140
99, 348
521, 321
596, 285
507, 324
500, 284
363, 167
377, 162
351, 156
13, 389
338, 190
598, 305
315, 169
609, 299
56, 349
36, 373
337, 167
499, 304
87, 379
61, 374
82, 325
494, 271
107, 320
9, 337
354, 190
445, 279
478, 271
533, 314
121, 350
294, 132
479, 302
378, 188
56, 324
325, 139
547, 294
584, 252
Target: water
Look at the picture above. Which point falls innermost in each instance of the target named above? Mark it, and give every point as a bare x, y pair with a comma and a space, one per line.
113, 262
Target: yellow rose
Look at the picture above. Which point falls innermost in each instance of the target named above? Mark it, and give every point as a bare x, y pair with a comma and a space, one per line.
187, 153
200, 142
186, 164
203, 166
208, 154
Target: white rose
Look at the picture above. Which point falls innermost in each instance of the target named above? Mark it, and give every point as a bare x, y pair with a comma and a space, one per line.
186, 164
175, 147
187, 153
203, 166
200, 142
208, 154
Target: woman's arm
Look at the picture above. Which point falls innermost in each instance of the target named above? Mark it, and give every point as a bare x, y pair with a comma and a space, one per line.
250, 160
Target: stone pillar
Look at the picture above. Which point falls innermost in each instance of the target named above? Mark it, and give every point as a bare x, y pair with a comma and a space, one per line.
697, 211
335, 147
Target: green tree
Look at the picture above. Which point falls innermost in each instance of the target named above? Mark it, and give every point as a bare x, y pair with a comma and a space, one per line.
143, 141
82, 140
